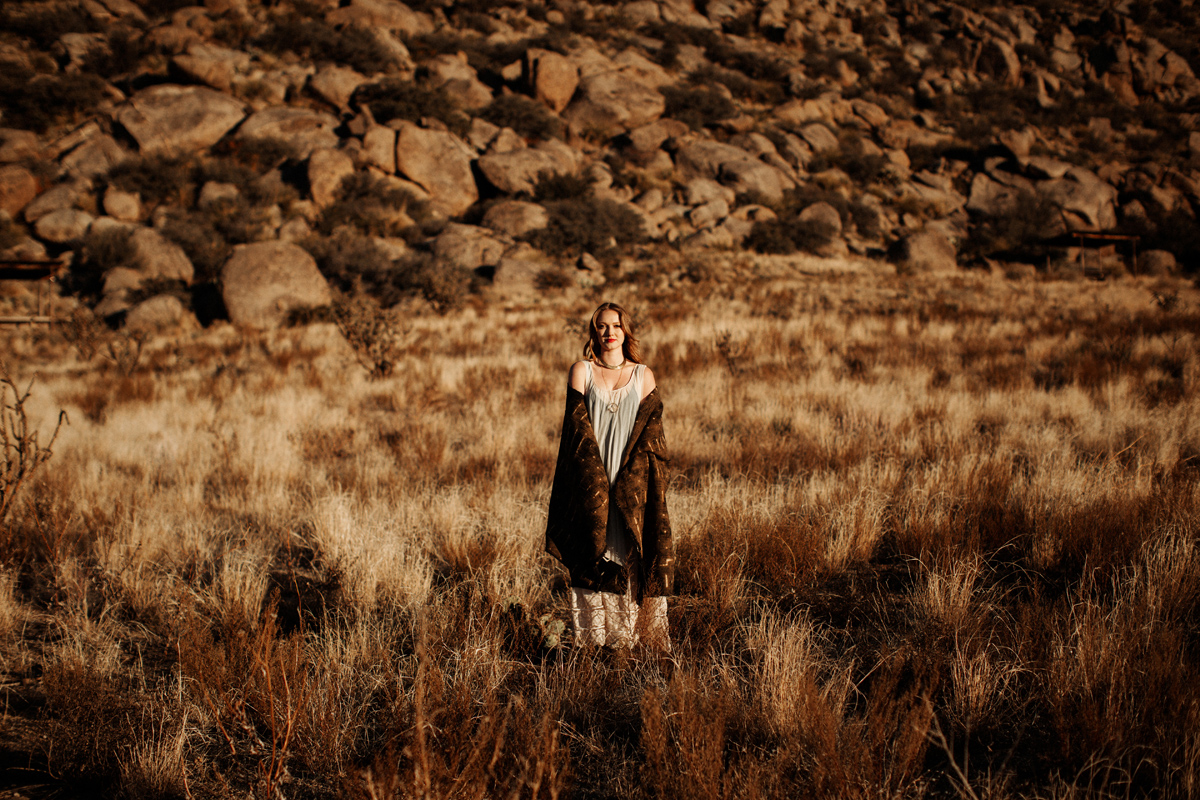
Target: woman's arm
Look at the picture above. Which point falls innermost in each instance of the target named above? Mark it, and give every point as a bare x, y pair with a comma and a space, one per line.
648, 383
577, 377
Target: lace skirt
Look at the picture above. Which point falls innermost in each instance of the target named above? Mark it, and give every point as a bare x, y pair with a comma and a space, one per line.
618, 620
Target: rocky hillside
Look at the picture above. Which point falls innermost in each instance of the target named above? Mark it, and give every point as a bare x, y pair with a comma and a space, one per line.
243, 158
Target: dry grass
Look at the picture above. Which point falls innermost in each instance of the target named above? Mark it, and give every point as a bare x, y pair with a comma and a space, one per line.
935, 538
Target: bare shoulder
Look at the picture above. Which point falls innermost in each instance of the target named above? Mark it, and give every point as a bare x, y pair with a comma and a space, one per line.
648, 382
577, 376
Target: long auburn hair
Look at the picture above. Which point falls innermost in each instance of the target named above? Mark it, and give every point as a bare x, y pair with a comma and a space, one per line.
631, 347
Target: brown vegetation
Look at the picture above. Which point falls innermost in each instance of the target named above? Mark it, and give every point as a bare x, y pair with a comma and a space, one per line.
935, 539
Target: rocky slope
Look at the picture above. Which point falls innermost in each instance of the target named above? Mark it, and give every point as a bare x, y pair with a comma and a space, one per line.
240, 158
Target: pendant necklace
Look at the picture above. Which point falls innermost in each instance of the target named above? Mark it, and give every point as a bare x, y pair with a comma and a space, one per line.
612, 404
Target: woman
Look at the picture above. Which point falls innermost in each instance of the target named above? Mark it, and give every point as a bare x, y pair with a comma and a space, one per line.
607, 521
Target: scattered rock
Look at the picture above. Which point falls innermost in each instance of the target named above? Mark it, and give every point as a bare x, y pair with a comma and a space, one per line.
468, 247
823, 216
18, 188
611, 103
157, 257
216, 192
819, 137
124, 206
440, 163
553, 77
518, 171
336, 85
212, 65
303, 129
515, 217
63, 226
159, 313
926, 250
327, 168
389, 15
94, 158
379, 146
169, 117
64, 195
757, 179
261, 283
18, 145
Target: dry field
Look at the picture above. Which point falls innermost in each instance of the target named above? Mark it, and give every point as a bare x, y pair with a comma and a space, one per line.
936, 538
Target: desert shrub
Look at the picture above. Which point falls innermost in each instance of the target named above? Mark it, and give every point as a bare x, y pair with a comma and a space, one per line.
238, 221
788, 236
203, 244
697, 106
157, 178
752, 63
373, 205
395, 98
586, 225
445, 286
313, 40
376, 334
99, 252
1017, 234
553, 186
740, 86
44, 23
354, 263
524, 115
120, 55
255, 154
37, 101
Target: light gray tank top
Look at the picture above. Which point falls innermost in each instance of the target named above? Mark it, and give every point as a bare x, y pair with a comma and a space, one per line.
612, 415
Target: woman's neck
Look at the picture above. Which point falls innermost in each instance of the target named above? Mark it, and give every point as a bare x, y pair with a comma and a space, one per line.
611, 360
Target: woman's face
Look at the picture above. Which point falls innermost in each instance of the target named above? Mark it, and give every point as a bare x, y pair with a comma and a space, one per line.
610, 333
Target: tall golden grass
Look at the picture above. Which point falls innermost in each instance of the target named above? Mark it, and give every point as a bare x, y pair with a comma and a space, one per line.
935, 538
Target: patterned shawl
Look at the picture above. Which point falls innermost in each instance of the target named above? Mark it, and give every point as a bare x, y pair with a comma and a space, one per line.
580, 496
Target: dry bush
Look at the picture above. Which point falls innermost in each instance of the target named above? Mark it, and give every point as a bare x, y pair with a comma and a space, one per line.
934, 538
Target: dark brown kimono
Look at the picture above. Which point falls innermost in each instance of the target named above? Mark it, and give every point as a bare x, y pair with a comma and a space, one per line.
580, 498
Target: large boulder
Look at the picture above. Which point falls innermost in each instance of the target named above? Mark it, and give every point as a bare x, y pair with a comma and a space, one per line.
95, 157
262, 282
518, 170
156, 256
188, 118
1087, 202
440, 163
18, 187
327, 168
303, 129
552, 76
336, 85
212, 65
389, 15
611, 103
158, 313
756, 178
515, 217
926, 250
458, 80
63, 226
64, 195
990, 197
468, 247
704, 158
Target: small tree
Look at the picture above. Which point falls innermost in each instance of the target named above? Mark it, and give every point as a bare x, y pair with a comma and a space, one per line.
22, 452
